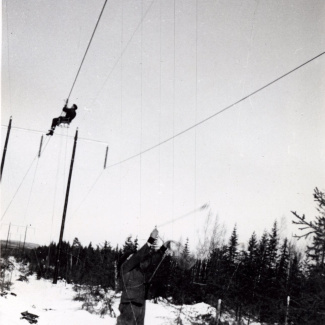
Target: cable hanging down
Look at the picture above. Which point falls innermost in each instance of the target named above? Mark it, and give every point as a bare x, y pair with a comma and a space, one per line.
83, 59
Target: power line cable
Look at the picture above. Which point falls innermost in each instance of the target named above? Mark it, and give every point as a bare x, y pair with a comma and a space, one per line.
125, 48
55, 193
83, 59
8, 54
85, 197
174, 101
196, 102
60, 135
217, 113
23, 180
141, 116
31, 190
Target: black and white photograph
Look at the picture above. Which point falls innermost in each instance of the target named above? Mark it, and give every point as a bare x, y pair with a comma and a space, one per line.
162, 162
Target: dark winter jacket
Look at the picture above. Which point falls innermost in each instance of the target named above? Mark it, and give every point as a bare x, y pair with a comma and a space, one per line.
136, 271
70, 113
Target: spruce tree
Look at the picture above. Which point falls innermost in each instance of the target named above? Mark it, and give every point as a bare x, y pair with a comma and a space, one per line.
314, 302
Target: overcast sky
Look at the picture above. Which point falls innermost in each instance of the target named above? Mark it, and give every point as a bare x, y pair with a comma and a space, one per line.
153, 70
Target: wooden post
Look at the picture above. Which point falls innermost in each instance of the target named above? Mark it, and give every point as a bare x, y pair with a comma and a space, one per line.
218, 312
19, 242
287, 311
25, 238
105, 157
8, 235
40, 147
116, 282
5, 148
56, 270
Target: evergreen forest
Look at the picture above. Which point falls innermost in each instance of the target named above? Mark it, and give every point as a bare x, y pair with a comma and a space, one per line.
269, 281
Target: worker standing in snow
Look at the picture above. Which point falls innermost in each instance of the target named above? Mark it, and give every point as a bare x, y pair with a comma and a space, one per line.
135, 275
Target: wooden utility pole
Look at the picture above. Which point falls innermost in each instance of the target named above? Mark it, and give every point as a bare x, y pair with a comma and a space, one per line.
218, 312
5, 148
105, 157
40, 147
8, 235
25, 239
56, 271
287, 311
116, 281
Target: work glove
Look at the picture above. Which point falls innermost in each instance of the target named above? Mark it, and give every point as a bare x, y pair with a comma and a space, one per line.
153, 237
168, 244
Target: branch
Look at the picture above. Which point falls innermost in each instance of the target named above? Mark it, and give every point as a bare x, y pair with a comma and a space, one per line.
302, 221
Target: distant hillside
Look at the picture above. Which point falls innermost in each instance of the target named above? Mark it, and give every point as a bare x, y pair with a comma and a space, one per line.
13, 244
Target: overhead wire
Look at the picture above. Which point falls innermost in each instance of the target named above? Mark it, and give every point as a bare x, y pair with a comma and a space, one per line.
23, 180
196, 101
174, 104
124, 50
8, 54
160, 106
217, 113
141, 115
198, 123
55, 191
83, 59
208, 118
83, 200
121, 107
113, 68
60, 135
65, 152
31, 190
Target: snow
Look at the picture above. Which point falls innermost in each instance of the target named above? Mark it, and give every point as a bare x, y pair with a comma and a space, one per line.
55, 304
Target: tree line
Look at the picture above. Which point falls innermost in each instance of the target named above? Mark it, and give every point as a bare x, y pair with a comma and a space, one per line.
254, 282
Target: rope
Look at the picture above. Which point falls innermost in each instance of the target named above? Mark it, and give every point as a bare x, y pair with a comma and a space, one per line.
55, 193
61, 135
8, 52
65, 152
22, 182
124, 50
183, 216
85, 197
31, 189
92, 36
121, 111
174, 100
196, 106
153, 274
135, 319
160, 106
141, 119
217, 113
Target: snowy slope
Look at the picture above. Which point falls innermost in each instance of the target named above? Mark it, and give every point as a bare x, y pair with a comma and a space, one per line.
54, 304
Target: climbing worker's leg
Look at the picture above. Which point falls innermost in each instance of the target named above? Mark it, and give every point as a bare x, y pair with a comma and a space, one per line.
55, 122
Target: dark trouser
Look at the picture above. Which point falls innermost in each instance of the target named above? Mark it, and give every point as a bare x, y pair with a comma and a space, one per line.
131, 314
56, 121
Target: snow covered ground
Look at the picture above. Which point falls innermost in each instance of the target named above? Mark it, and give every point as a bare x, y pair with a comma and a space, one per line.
55, 304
